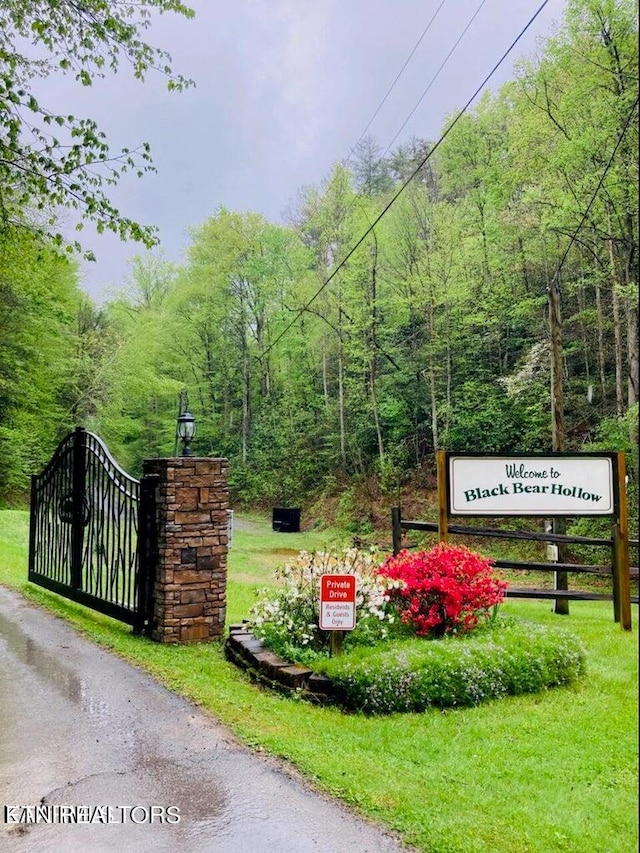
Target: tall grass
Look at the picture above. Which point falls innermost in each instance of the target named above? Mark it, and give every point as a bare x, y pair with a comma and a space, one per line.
550, 772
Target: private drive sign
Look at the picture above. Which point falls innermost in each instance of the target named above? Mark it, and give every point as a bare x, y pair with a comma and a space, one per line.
531, 485
337, 602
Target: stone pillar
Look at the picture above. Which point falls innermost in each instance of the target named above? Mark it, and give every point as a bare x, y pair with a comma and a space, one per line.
190, 587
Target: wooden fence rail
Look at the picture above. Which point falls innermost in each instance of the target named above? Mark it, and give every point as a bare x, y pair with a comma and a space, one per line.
399, 524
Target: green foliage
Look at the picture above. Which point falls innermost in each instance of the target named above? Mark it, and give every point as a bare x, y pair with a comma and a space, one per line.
483, 417
285, 451
39, 355
614, 434
288, 619
351, 514
505, 658
432, 335
50, 160
137, 415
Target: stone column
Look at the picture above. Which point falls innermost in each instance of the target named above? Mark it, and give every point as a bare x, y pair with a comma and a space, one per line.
189, 591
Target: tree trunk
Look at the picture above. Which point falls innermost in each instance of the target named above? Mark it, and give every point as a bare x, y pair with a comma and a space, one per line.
373, 367
617, 336
325, 382
601, 357
557, 420
632, 353
374, 403
586, 348
447, 424
557, 368
245, 402
617, 326
434, 407
343, 449
413, 349
432, 378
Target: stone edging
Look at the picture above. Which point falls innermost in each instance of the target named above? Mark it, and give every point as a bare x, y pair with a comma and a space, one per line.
247, 652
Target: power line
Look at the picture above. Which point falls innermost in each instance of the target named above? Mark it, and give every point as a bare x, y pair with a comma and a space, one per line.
574, 236
361, 191
436, 75
409, 179
392, 87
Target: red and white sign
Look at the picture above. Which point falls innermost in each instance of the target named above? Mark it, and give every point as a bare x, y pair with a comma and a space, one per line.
337, 602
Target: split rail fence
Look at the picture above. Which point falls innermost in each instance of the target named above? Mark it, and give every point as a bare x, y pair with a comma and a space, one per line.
619, 545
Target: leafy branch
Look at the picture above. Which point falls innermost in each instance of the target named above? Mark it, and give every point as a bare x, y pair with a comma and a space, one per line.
49, 160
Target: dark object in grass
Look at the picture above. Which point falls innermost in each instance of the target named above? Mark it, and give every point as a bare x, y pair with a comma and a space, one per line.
286, 519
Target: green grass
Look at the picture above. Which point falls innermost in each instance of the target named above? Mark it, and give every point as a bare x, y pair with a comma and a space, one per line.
255, 552
541, 773
14, 539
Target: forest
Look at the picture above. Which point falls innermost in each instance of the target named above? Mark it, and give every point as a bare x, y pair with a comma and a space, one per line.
478, 293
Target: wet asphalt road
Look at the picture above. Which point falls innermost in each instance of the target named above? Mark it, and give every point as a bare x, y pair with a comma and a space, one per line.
79, 727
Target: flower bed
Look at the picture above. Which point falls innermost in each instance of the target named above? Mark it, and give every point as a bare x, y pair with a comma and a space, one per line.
427, 635
508, 658
287, 618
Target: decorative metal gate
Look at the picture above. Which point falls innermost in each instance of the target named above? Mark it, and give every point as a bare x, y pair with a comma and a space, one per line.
92, 530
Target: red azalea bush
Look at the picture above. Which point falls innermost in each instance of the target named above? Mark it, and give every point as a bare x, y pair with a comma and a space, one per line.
442, 591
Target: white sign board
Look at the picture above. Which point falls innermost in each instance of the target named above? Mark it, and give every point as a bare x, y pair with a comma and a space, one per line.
531, 485
337, 602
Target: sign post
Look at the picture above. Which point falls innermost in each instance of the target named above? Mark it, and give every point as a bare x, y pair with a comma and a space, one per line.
621, 562
337, 607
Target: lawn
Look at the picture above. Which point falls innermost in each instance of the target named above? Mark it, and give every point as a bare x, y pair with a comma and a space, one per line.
551, 772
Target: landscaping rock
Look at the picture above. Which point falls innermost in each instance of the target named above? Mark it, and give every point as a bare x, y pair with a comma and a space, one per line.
269, 669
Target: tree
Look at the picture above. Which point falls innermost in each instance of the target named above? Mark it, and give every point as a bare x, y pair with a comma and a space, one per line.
573, 107
136, 413
406, 158
50, 160
371, 171
39, 300
240, 286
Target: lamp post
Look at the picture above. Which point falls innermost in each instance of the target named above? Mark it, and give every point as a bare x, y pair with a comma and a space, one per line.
186, 432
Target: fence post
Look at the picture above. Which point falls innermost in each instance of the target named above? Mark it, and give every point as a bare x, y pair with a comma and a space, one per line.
78, 506
33, 509
443, 510
396, 529
561, 578
147, 553
621, 562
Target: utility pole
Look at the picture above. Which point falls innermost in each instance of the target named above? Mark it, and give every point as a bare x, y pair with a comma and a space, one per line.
557, 366
557, 421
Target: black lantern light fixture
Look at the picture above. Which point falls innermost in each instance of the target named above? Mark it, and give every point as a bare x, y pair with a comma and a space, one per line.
186, 432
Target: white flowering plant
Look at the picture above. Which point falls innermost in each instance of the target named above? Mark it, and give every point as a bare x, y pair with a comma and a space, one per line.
287, 618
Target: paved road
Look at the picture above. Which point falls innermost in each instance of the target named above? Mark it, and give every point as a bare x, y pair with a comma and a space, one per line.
79, 727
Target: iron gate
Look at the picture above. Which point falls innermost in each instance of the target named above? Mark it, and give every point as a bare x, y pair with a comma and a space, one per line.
91, 534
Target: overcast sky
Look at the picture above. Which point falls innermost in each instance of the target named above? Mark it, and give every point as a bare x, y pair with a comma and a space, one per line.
284, 90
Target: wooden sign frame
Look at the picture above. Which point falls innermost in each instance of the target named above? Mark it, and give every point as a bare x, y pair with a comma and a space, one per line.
619, 515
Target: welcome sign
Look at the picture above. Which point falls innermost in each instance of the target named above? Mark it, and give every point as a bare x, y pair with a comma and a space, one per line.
530, 485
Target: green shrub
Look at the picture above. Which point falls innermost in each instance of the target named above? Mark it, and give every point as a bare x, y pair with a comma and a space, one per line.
287, 618
508, 657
